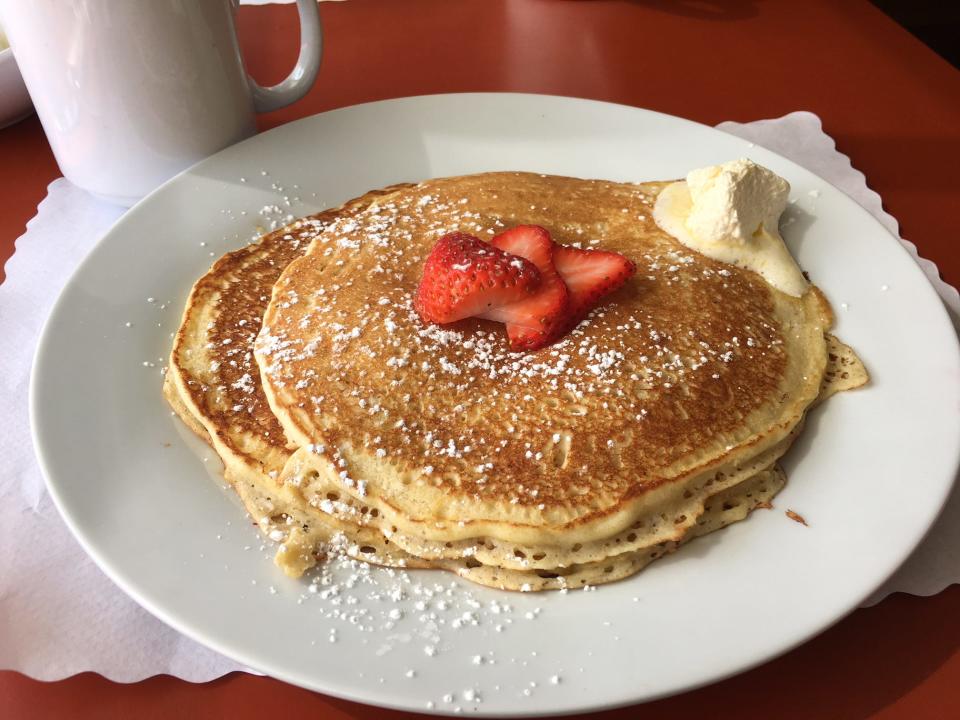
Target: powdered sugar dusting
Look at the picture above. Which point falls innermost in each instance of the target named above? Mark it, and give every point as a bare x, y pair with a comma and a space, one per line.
363, 355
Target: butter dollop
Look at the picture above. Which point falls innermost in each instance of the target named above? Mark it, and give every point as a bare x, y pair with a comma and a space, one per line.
730, 213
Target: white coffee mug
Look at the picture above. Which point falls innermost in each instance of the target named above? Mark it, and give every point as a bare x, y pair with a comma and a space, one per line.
131, 92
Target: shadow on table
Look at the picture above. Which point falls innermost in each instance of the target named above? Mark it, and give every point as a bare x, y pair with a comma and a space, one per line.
702, 9
922, 162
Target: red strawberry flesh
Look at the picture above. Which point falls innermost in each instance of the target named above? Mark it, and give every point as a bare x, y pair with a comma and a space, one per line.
589, 275
537, 320
465, 277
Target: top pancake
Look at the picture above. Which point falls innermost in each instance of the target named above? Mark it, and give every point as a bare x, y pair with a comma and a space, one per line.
688, 371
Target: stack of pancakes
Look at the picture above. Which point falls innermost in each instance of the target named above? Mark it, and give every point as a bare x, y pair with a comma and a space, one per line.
347, 424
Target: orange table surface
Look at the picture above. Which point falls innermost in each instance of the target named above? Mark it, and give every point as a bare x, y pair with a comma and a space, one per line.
891, 104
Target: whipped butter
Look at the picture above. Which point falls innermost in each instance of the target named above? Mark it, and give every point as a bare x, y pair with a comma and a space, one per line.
730, 213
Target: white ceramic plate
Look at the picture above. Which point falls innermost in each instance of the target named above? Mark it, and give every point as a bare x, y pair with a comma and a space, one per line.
870, 472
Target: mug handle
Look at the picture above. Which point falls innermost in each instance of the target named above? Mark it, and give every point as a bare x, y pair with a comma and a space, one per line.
304, 73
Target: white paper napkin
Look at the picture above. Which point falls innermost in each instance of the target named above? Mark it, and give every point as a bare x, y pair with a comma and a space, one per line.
59, 615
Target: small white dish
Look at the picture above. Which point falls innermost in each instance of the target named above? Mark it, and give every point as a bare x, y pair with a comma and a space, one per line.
870, 472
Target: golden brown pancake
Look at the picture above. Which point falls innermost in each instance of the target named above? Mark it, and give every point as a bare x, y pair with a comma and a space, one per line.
213, 384
687, 383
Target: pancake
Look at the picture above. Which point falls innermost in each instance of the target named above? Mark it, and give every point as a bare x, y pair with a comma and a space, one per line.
214, 386
202, 385
213, 383
505, 567
323, 491
687, 385
722, 508
304, 537
211, 363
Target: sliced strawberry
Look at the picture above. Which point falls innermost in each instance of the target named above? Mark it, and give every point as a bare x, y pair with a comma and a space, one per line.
589, 275
536, 321
464, 276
